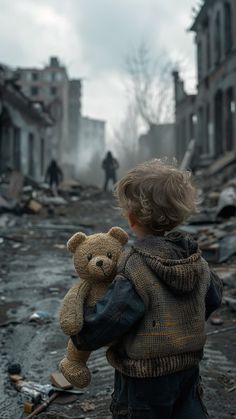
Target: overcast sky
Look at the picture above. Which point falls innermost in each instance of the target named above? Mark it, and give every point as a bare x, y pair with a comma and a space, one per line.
92, 38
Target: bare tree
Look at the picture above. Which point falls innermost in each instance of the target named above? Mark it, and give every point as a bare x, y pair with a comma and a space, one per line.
149, 85
125, 139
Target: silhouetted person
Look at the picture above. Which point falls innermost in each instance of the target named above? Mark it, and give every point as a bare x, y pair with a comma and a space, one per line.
109, 165
54, 175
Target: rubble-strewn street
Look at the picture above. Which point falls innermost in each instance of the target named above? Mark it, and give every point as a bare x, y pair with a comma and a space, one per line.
36, 271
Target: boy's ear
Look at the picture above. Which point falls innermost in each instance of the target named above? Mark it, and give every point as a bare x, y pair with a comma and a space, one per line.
119, 234
75, 240
132, 219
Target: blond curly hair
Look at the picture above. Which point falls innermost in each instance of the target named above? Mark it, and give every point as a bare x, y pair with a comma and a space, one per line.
160, 195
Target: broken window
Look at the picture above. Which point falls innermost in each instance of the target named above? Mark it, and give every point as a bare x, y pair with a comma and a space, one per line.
184, 139
207, 49
218, 128
208, 46
35, 76
228, 27
217, 38
34, 90
230, 109
207, 130
53, 76
53, 90
16, 149
199, 59
56, 110
31, 154
42, 155
201, 129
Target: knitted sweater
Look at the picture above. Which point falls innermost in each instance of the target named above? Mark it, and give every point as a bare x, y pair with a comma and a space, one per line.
172, 279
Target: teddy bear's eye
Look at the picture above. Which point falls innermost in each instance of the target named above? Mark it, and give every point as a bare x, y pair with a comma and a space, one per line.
109, 255
89, 257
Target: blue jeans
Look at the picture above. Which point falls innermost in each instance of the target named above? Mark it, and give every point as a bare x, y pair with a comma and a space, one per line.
175, 396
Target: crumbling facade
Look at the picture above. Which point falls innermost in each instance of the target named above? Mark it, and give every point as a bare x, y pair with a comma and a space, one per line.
92, 140
158, 142
91, 151
185, 116
25, 132
209, 117
52, 87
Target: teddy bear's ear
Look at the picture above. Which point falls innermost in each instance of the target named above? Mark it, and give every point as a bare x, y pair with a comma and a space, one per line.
119, 234
75, 240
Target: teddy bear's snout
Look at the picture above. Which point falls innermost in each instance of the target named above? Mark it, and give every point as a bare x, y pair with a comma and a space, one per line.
99, 262
101, 266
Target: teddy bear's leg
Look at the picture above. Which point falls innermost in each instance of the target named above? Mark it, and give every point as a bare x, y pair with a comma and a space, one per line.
73, 366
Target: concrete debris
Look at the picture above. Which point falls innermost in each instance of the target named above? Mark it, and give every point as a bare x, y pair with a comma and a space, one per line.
16, 182
228, 276
220, 164
87, 405
231, 302
60, 246
70, 186
3, 220
6, 221
40, 317
227, 247
216, 320
34, 206
55, 200
227, 203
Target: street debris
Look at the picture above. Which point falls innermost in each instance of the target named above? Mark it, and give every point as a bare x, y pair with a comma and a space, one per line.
87, 405
216, 320
40, 317
40, 396
231, 302
14, 369
227, 203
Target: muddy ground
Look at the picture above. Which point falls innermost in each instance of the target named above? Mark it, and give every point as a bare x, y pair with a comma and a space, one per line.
35, 272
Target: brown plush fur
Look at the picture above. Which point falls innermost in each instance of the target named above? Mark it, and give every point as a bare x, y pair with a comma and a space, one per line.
95, 260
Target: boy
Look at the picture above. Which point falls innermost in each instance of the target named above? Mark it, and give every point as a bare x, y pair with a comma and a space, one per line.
154, 312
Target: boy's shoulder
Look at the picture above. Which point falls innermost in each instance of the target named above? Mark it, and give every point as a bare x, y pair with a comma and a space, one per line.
125, 259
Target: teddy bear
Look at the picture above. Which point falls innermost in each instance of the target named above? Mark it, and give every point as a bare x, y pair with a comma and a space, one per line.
95, 260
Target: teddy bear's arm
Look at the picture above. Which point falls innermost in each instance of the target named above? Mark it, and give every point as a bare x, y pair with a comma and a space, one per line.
71, 311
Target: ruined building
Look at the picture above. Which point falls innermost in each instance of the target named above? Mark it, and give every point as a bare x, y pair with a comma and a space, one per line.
52, 87
158, 142
91, 149
25, 130
209, 116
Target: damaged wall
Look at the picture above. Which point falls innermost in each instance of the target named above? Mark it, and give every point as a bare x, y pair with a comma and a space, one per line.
25, 134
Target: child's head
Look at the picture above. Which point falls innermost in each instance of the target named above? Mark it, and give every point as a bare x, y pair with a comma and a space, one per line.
159, 195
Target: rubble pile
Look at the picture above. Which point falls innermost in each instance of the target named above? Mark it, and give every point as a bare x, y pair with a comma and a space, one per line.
22, 195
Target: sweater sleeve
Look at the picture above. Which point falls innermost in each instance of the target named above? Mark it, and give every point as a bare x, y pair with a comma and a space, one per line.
113, 315
214, 294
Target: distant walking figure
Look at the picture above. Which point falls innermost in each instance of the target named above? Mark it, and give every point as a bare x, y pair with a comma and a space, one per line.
110, 165
54, 175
